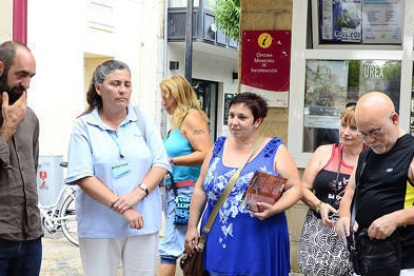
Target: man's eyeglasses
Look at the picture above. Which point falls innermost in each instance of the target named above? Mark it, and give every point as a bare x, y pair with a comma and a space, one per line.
375, 132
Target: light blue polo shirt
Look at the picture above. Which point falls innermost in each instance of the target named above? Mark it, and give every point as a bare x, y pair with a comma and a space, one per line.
92, 152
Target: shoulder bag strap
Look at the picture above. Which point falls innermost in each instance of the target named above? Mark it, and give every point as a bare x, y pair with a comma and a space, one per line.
140, 123
354, 199
226, 193
173, 186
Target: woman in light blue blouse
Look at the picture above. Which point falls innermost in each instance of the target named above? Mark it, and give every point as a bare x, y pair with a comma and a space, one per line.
117, 159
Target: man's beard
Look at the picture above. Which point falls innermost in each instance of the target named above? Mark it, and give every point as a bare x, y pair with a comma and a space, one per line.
14, 92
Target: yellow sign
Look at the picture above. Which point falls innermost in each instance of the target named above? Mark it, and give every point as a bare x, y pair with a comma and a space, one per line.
264, 40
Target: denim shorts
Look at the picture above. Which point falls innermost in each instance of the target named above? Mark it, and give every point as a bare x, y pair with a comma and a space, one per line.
172, 243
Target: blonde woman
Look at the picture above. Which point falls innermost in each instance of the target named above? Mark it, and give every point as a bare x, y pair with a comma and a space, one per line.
187, 144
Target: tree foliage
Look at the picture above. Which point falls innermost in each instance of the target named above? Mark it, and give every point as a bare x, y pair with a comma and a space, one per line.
227, 13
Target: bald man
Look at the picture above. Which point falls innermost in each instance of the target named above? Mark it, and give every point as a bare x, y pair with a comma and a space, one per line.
20, 227
385, 188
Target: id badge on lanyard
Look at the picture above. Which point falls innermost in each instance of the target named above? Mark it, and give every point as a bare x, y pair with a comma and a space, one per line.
121, 167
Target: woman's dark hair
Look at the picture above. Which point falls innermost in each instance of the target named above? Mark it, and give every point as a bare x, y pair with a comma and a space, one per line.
254, 102
99, 75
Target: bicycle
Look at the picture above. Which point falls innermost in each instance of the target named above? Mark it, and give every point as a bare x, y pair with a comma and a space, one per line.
62, 213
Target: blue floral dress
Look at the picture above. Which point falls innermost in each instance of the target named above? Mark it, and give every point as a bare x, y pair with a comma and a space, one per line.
239, 243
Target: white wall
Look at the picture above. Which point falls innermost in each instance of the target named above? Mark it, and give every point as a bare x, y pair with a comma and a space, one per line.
62, 32
131, 31
211, 67
56, 93
6, 15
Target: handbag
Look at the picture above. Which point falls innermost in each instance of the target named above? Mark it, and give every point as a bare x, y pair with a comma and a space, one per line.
263, 187
377, 257
371, 257
193, 265
321, 251
182, 205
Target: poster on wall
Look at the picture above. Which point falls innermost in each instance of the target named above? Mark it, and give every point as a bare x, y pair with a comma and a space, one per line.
265, 65
326, 93
382, 21
340, 20
357, 21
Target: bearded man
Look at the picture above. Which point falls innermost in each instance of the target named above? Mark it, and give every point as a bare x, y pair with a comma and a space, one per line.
20, 227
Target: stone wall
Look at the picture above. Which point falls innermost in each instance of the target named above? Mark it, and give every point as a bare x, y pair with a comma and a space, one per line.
275, 15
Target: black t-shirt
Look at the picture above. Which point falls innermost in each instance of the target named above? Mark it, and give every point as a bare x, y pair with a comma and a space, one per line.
384, 187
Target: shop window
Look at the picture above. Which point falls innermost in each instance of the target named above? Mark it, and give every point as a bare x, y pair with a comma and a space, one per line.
357, 21
210, 29
330, 85
374, 53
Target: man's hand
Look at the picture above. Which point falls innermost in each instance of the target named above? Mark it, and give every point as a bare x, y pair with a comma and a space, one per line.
125, 202
341, 225
345, 223
135, 219
12, 115
382, 227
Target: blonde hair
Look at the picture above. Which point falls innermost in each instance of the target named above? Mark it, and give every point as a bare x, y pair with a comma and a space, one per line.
184, 95
348, 115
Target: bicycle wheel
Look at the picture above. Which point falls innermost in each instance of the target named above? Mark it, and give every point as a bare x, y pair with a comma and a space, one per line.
68, 220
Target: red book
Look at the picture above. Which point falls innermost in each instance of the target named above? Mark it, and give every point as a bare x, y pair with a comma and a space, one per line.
263, 187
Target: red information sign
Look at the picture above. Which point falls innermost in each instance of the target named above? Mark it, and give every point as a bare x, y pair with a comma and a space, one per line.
266, 61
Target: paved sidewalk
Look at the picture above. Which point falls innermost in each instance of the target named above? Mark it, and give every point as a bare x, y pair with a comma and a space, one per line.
61, 258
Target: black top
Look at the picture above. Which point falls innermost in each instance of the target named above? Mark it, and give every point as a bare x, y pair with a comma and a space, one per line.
384, 187
331, 181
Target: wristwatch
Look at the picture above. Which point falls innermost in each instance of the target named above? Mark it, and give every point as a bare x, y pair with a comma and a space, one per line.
143, 187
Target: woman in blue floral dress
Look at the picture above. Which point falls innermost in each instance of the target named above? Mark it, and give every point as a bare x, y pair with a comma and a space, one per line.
242, 242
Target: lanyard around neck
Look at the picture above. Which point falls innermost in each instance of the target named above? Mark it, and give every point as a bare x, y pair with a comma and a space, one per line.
117, 144
337, 176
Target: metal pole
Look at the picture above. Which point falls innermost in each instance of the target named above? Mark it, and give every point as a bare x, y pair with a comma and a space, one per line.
189, 41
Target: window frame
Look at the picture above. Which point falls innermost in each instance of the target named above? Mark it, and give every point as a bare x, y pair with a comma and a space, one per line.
300, 54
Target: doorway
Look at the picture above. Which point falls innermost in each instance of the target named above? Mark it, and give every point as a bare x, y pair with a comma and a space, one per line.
207, 94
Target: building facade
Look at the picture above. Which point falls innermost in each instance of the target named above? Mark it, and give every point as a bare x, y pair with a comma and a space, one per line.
71, 41
340, 50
